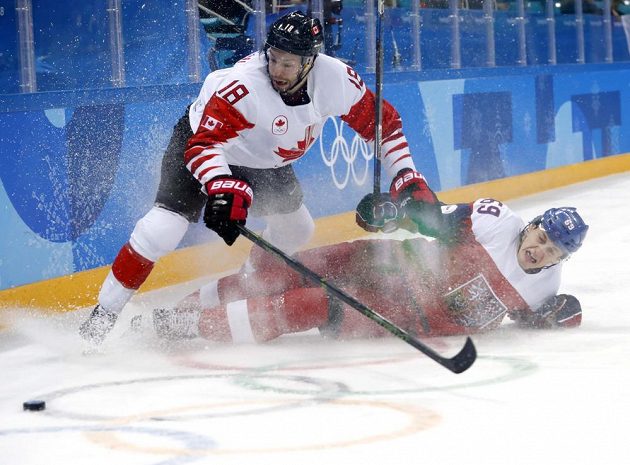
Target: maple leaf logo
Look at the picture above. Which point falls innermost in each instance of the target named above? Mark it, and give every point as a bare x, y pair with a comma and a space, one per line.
302, 146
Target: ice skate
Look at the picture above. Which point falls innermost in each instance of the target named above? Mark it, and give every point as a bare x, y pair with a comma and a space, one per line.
176, 323
98, 325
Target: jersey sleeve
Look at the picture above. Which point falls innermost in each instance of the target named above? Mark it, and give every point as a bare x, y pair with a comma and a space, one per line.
225, 108
395, 154
356, 105
490, 218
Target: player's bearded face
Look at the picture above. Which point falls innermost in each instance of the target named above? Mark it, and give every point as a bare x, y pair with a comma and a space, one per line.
537, 250
284, 69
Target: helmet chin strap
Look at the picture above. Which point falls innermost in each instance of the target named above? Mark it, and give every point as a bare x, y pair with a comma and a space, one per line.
299, 83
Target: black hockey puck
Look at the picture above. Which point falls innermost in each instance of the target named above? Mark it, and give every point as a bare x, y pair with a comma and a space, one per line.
34, 405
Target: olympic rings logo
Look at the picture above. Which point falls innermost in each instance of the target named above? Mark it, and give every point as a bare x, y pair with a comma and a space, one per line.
339, 152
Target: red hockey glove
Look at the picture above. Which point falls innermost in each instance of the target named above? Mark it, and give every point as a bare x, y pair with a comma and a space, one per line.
418, 202
411, 185
228, 201
559, 311
377, 213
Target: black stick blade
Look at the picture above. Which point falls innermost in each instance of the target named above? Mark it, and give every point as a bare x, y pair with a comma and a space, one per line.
464, 359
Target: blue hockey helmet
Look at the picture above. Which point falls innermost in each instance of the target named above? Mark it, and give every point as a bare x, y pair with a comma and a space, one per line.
565, 227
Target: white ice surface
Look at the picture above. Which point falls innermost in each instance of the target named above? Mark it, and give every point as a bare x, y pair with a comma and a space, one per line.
532, 397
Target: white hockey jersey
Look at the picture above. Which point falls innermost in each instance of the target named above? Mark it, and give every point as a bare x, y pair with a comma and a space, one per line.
239, 119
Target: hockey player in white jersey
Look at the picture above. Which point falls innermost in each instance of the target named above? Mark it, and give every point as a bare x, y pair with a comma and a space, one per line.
486, 264
233, 149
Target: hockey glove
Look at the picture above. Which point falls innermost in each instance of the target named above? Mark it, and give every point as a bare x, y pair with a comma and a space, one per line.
559, 311
377, 213
411, 185
417, 202
228, 201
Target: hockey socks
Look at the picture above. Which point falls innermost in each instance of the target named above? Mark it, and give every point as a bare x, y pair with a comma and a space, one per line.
265, 318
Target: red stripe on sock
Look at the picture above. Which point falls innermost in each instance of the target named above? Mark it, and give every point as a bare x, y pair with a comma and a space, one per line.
130, 268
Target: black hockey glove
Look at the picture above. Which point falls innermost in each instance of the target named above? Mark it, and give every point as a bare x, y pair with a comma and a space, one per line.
418, 202
559, 311
377, 213
228, 201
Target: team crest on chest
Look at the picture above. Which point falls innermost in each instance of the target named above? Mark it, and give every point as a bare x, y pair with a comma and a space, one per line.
280, 125
474, 304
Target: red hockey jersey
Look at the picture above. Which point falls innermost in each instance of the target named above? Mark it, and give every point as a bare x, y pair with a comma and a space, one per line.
422, 285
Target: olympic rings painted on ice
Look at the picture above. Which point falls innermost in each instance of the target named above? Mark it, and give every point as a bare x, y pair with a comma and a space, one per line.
407, 419
516, 368
340, 154
318, 394
322, 363
513, 368
188, 440
416, 419
318, 389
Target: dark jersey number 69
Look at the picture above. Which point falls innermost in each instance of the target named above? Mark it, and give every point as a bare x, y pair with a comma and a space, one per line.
490, 207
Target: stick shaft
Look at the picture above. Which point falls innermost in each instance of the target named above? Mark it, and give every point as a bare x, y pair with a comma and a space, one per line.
378, 133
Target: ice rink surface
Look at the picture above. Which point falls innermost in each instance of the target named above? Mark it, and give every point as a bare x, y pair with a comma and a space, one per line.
532, 397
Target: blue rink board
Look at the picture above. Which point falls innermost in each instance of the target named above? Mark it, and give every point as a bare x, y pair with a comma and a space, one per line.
79, 168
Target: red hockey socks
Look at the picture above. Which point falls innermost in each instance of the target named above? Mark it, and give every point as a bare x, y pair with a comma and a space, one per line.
130, 268
265, 318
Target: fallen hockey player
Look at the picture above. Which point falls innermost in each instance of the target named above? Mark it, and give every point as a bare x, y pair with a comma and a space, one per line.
485, 263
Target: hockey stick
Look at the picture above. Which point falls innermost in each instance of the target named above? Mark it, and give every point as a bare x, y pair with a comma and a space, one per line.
378, 133
457, 364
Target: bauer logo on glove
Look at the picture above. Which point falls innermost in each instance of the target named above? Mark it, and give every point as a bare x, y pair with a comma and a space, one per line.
406, 179
411, 185
226, 184
228, 201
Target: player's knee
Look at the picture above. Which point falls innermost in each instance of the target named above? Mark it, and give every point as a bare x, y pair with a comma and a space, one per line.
290, 231
304, 309
158, 233
301, 231
305, 226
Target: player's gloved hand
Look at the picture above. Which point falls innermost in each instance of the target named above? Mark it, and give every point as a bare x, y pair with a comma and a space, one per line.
228, 201
559, 311
377, 212
417, 202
